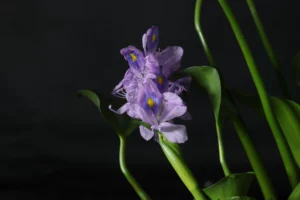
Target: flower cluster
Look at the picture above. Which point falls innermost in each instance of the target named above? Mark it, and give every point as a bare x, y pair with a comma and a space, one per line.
151, 96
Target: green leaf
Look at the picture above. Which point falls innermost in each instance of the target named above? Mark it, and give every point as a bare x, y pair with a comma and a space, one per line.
234, 186
287, 113
295, 194
208, 79
122, 124
296, 67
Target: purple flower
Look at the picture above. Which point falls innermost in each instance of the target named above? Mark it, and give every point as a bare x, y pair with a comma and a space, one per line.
157, 109
151, 96
169, 60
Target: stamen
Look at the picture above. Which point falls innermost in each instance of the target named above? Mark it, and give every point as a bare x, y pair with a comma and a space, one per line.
120, 93
110, 108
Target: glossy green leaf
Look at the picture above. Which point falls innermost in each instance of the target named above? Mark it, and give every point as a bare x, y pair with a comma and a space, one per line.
296, 67
287, 113
295, 194
122, 124
208, 79
233, 187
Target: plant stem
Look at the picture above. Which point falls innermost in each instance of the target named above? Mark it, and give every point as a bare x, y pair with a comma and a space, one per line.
200, 33
264, 181
287, 157
136, 186
210, 58
173, 153
222, 157
268, 47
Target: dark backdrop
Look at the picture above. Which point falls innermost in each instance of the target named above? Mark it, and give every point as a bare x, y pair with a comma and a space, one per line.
54, 145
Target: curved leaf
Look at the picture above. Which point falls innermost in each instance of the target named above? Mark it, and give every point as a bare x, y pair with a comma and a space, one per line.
295, 194
296, 67
208, 78
234, 186
287, 113
122, 124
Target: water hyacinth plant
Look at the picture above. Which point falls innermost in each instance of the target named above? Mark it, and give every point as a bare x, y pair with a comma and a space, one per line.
151, 90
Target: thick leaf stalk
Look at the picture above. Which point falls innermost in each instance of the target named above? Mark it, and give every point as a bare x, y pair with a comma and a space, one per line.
173, 153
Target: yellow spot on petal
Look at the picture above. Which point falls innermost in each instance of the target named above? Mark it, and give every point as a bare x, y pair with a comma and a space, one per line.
133, 57
153, 38
150, 102
160, 80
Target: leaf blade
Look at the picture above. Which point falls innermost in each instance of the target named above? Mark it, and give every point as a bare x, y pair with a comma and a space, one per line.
232, 186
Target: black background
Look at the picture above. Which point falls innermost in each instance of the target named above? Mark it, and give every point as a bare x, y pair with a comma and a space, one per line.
54, 145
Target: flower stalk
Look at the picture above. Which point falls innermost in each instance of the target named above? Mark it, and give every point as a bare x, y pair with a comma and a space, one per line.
133, 182
268, 47
264, 181
173, 153
287, 157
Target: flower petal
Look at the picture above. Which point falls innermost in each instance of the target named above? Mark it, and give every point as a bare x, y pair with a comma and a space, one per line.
180, 85
146, 133
170, 59
144, 41
174, 133
150, 99
131, 109
186, 116
162, 83
151, 65
185, 82
173, 107
134, 57
151, 39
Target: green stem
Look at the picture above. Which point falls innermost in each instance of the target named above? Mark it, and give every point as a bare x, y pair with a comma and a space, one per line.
210, 58
264, 181
173, 153
198, 27
136, 186
222, 157
261, 174
287, 157
268, 47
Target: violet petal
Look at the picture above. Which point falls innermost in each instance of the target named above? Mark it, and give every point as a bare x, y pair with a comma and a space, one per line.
173, 107
146, 133
174, 133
